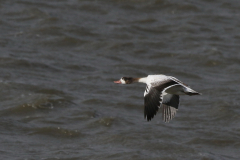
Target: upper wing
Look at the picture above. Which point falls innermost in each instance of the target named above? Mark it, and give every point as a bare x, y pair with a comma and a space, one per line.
163, 85
178, 81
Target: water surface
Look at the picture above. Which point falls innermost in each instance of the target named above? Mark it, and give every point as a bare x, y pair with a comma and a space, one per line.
58, 61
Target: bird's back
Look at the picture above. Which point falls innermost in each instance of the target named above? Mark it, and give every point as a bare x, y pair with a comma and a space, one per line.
156, 78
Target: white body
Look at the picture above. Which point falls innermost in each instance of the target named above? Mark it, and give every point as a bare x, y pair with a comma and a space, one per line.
179, 89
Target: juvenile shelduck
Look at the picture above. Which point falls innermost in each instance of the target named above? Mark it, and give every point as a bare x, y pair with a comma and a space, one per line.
161, 92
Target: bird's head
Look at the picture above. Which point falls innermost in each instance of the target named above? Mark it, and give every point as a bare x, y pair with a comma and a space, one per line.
125, 80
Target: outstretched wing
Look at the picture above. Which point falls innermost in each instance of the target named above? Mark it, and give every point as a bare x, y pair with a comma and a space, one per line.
152, 101
153, 97
169, 106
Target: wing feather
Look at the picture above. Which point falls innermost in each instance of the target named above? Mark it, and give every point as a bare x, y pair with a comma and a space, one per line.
154, 97
152, 102
178, 81
169, 106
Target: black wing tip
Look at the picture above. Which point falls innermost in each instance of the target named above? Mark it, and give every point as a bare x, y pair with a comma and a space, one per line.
150, 114
149, 118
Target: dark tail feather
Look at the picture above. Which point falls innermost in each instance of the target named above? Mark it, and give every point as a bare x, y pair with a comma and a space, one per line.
192, 93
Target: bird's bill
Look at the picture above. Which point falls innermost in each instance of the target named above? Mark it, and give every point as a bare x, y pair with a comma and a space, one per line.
119, 82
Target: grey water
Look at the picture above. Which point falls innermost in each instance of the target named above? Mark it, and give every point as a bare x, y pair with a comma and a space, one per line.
59, 58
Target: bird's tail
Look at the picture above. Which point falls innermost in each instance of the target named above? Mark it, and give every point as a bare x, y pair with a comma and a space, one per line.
191, 92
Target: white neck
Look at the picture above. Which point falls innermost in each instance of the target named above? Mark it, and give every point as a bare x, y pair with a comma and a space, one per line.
142, 80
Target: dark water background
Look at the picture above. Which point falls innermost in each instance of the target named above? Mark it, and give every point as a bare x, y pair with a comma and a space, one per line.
58, 60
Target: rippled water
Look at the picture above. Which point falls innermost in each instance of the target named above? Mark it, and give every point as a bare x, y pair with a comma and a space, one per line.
59, 58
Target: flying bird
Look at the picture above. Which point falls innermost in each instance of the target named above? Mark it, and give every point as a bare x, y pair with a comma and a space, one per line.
161, 92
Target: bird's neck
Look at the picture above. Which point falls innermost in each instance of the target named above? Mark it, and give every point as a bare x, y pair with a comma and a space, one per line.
141, 80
